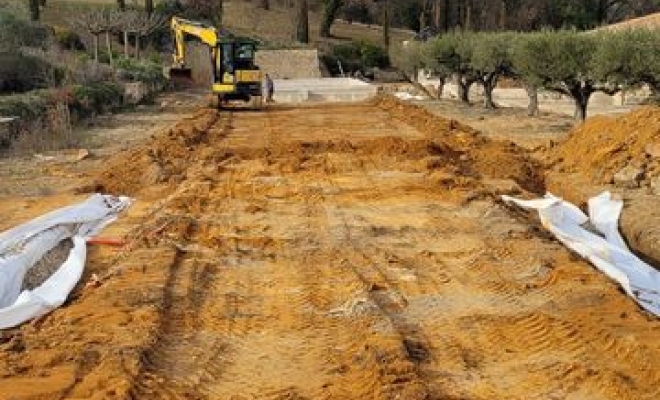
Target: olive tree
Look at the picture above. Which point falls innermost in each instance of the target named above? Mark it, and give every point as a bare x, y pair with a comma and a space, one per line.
562, 61
523, 57
408, 58
629, 58
488, 56
449, 54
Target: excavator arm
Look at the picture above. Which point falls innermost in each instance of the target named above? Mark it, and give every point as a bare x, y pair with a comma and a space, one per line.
207, 34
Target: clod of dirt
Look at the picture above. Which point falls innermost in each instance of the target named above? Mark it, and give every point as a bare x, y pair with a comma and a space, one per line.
624, 150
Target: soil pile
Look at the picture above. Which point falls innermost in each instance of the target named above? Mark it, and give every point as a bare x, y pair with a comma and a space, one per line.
624, 150
470, 152
165, 158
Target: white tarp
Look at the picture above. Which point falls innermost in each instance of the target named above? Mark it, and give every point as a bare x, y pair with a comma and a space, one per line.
605, 248
24, 245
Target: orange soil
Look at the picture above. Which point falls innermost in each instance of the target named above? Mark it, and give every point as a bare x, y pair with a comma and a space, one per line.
334, 252
602, 146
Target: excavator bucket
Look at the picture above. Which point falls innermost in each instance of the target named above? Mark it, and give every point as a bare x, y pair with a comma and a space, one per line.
181, 76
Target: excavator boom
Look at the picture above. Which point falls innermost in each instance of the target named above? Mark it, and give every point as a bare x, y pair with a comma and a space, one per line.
207, 34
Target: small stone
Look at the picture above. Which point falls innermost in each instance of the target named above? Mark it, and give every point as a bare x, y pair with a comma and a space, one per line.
628, 177
83, 154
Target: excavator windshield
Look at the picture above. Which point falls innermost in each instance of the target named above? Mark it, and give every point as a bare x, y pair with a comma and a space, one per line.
245, 51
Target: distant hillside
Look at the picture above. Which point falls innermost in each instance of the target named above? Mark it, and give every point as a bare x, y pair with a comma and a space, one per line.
648, 21
274, 27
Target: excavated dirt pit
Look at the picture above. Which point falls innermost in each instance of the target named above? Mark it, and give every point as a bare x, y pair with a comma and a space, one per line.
335, 252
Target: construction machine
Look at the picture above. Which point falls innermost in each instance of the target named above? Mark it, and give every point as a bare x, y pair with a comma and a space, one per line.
235, 75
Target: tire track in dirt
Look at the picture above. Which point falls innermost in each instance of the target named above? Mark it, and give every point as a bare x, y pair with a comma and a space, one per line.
321, 253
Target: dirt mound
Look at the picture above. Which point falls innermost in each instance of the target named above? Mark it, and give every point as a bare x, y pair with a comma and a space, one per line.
472, 153
445, 145
165, 158
623, 150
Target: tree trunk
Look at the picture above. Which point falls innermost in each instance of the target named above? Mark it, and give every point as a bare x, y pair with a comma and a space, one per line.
34, 10
126, 44
109, 46
96, 48
386, 24
42, 3
437, 14
446, 19
265, 4
533, 95
464, 91
580, 109
219, 13
149, 6
468, 15
489, 85
330, 9
121, 5
581, 95
441, 88
137, 46
302, 22
503, 14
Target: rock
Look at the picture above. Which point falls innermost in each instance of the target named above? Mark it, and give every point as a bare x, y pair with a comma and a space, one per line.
83, 154
628, 177
653, 150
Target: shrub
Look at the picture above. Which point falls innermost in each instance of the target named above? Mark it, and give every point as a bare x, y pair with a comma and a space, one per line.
373, 56
68, 39
28, 106
20, 73
95, 98
16, 32
356, 56
144, 71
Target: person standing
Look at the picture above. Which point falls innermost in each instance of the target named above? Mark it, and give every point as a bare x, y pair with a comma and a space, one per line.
269, 88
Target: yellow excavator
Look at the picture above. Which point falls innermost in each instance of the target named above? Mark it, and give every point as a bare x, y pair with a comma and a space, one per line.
235, 74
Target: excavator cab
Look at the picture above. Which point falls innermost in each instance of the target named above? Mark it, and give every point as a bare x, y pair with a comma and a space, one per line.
236, 77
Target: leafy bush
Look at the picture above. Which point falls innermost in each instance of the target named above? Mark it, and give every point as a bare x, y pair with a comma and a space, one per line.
356, 56
373, 56
145, 71
95, 98
68, 39
16, 32
82, 100
28, 106
20, 73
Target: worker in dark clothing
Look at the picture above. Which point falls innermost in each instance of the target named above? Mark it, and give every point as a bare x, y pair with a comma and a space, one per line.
269, 88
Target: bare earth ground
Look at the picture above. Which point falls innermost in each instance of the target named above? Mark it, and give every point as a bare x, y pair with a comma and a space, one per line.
331, 252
